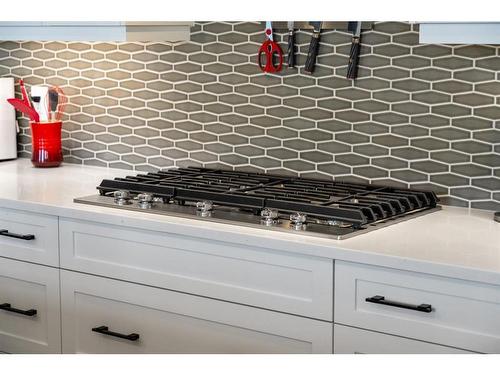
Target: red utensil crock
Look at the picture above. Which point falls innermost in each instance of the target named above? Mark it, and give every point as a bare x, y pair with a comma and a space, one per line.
46, 144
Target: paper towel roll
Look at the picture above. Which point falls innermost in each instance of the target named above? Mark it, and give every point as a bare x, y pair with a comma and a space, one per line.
8, 139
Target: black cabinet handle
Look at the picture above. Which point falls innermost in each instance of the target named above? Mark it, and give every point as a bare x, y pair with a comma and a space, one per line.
424, 307
105, 331
26, 237
7, 307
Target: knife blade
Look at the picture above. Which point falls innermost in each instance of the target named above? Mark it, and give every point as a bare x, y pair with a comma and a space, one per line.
291, 45
313, 47
352, 67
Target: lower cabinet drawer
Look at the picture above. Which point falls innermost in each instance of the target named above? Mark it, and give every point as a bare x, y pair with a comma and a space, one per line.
434, 309
29, 236
260, 277
108, 316
29, 308
349, 340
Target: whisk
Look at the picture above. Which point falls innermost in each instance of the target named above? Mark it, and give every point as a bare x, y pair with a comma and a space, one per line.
57, 103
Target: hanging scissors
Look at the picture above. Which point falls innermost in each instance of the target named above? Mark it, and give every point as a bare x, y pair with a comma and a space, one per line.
270, 57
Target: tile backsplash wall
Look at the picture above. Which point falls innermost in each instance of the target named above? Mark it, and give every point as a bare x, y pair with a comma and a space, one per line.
426, 116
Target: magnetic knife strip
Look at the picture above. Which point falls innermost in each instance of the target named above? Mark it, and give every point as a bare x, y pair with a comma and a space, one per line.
325, 25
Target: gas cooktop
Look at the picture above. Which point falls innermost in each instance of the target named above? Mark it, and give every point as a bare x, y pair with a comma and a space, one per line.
299, 205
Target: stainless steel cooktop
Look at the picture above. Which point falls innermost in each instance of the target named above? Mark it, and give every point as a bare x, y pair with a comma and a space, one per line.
331, 209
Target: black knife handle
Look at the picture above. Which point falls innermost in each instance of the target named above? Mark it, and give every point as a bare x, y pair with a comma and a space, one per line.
312, 53
291, 49
352, 67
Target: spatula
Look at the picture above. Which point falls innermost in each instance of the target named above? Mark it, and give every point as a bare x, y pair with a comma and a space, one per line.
21, 106
26, 98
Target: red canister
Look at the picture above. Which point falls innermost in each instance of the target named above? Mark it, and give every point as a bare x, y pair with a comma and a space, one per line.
46, 144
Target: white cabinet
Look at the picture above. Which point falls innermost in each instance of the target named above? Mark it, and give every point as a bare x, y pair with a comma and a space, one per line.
29, 236
125, 290
460, 32
260, 277
96, 31
101, 315
350, 340
29, 308
441, 310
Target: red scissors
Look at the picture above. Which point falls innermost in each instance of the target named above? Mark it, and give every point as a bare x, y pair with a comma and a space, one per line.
270, 57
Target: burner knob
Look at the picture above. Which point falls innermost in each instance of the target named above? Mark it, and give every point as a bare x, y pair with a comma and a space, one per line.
144, 200
121, 194
204, 208
269, 216
298, 220
122, 197
158, 200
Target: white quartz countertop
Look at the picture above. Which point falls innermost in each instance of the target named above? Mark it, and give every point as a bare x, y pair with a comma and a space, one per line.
453, 242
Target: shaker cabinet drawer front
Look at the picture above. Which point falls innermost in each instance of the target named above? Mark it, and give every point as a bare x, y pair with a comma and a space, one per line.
108, 316
349, 340
446, 311
258, 277
29, 236
29, 308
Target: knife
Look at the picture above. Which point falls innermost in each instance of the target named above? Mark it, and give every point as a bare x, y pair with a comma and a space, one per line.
352, 67
291, 45
313, 47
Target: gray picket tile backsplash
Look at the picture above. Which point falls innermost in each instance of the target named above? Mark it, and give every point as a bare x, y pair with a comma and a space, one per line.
426, 116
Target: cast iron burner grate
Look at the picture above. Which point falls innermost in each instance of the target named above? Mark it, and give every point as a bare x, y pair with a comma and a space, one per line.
356, 204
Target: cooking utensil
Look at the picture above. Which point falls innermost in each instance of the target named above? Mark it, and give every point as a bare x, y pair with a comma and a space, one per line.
26, 98
270, 56
53, 103
352, 67
21, 106
40, 97
313, 47
36, 103
290, 57
58, 102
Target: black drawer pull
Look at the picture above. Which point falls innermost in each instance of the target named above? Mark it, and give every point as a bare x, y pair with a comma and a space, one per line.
105, 331
424, 307
26, 237
7, 307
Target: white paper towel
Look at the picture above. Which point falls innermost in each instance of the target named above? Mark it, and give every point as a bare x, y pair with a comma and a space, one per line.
8, 141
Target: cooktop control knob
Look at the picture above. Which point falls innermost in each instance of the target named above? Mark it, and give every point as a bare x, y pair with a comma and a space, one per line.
298, 220
122, 197
204, 208
269, 216
158, 200
144, 200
